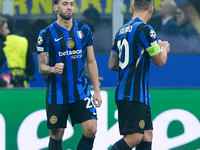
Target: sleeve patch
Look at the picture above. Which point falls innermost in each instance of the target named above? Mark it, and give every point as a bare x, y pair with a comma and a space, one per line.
40, 49
152, 34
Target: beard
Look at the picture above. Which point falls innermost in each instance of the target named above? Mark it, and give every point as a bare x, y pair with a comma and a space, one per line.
65, 17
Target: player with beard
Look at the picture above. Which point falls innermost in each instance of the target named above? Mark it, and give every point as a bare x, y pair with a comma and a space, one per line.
62, 49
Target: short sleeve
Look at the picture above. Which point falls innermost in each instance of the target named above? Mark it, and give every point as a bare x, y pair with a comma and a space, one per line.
148, 38
89, 36
42, 42
114, 47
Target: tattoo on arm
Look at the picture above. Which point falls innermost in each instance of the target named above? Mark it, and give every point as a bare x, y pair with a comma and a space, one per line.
114, 62
43, 61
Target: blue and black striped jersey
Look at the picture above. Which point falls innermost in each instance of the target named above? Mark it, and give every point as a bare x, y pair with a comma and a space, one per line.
131, 43
70, 48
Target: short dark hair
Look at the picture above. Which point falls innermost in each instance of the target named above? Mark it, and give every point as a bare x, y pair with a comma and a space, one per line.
142, 4
2, 21
56, 1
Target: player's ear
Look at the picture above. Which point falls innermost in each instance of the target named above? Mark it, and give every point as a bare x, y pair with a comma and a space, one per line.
55, 7
151, 9
132, 8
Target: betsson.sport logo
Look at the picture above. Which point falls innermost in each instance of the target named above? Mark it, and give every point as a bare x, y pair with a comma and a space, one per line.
74, 54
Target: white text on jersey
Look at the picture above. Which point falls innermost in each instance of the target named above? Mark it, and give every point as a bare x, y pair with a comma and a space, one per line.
125, 30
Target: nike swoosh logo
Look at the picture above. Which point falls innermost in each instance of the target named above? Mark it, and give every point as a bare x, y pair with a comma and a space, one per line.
58, 39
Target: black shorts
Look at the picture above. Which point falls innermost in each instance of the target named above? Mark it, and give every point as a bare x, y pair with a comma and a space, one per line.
133, 117
57, 114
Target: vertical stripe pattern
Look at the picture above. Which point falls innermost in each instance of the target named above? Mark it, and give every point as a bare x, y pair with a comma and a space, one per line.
68, 47
131, 42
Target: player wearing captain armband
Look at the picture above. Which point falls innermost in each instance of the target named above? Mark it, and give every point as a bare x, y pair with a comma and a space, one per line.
155, 48
134, 46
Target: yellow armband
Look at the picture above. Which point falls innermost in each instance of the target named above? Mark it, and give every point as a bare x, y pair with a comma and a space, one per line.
153, 50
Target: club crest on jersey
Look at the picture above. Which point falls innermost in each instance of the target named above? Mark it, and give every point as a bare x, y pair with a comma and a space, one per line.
70, 44
53, 119
80, 34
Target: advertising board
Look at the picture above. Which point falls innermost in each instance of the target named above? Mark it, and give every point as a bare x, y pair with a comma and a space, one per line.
175, 114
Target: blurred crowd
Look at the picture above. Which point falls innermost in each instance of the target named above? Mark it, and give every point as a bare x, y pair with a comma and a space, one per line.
16, 60
178, 24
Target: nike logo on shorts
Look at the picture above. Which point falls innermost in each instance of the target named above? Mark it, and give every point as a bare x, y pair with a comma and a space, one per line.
56, 40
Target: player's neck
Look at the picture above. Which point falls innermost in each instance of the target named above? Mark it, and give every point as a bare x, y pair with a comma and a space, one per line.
143, 15
67, 24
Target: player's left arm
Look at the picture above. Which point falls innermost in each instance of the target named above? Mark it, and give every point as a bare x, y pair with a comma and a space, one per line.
160, 58
93, 73
157, 49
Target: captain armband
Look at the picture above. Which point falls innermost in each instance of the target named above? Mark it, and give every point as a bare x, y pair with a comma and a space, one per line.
154, 49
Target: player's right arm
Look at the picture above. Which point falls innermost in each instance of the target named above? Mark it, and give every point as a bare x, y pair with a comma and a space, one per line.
44, 68
43, 61
114, 58
114, 61
43, 45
